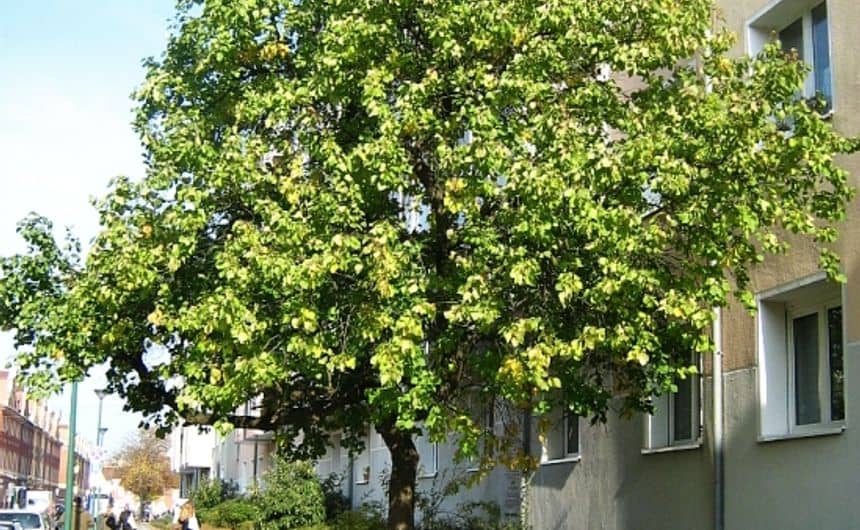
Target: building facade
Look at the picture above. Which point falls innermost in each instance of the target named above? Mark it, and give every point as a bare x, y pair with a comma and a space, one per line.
31, 443
766, 437
243, 457
774, 444
191, 456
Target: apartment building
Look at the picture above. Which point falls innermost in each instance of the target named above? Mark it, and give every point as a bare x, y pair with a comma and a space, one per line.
242, 457
773, 444
33, 445
191, 456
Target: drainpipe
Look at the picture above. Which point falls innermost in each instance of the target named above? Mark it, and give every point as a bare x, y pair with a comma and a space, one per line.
717, 377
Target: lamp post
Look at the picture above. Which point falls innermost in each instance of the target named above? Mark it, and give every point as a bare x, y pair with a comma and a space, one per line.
70, 460
99, 441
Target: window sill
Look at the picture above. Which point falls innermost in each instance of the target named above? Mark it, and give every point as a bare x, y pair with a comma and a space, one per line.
823, 431
692, 446
428, 475
362, 482
565, 460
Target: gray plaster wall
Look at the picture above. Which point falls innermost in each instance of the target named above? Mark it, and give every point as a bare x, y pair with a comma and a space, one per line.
791, 484
615, 486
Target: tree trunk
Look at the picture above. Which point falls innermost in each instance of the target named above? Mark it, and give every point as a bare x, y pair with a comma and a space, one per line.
401, 486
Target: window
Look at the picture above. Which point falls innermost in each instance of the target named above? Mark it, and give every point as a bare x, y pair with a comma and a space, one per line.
428, 453
483, 411
800, 358
562, 439
361, 464
676, 417
800, 25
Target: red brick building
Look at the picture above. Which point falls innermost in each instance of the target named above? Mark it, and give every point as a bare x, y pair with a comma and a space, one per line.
32, 445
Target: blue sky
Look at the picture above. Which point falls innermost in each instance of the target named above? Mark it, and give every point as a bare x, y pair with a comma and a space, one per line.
67, 68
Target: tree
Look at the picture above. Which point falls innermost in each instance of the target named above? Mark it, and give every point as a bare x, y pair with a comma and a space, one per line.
367, 212
144, 466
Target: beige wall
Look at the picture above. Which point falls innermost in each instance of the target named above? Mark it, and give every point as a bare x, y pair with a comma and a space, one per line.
808, 482
789, 484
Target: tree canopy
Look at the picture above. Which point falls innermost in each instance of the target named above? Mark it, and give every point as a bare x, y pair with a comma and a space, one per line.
363, 212
143, 465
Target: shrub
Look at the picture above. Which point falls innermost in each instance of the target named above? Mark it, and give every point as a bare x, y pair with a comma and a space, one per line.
291, 496
365, 518
335, 501
212, 493
233, 513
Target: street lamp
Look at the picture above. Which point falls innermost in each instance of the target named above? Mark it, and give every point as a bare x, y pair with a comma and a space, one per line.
100, 433
70, 459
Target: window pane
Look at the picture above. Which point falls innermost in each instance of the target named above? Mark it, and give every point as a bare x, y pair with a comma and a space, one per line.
791, 38
834, 346
807, 409
683, 410
821, 54
572, 435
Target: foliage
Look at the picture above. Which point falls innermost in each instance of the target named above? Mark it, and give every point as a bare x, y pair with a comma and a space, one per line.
469, 516
290, 497
364, 212
232, 513
165, 522
213, 492
335, 501
364, 518
144, 466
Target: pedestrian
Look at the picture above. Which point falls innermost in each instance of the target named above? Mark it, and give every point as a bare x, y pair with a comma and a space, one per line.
126, 519
186, 518
110, 518
81, 519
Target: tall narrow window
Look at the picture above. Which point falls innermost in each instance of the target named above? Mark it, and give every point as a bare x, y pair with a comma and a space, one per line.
683, 410
791, 38
808, 35
571, 438
821, 54
837, 373
675, 421
562, 439
807, 408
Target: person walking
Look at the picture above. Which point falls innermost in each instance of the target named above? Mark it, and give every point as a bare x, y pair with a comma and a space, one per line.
126, 519
81, 519
185, 518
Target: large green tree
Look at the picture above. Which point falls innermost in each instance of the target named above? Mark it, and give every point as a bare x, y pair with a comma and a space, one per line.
366, 212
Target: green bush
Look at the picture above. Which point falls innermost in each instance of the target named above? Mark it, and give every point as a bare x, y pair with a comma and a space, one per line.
234, 513
212, 493
291, 497
361, 519
335, 501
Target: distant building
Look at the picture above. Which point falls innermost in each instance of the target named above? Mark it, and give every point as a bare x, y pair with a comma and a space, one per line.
33, 445
191, 456
242, 457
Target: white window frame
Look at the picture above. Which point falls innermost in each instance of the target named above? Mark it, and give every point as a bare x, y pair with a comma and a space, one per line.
777, 310
824, 370
656, 421
361, 465
557, 437
779, 15
427, 471
488, 419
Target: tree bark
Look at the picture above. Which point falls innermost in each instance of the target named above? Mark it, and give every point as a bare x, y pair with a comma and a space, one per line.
401, 486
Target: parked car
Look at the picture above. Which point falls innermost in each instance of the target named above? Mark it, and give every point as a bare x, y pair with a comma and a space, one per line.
28, 519
10, 525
